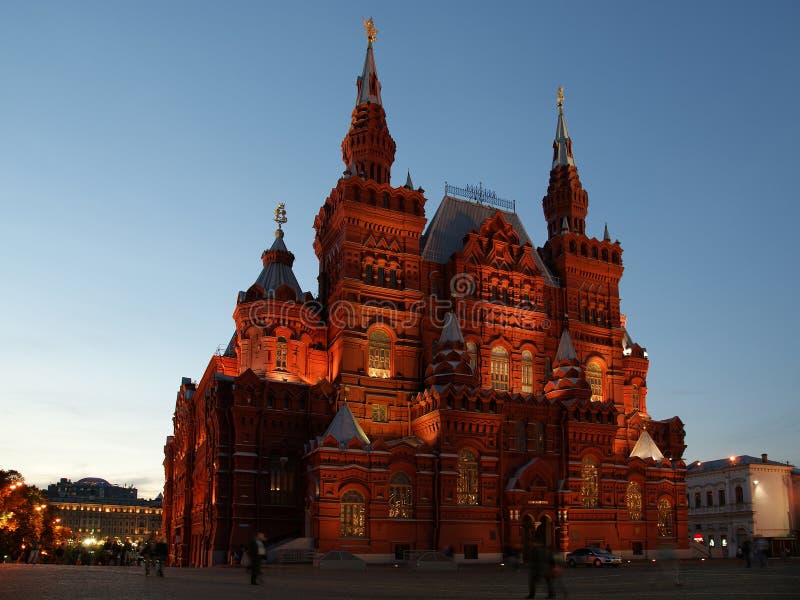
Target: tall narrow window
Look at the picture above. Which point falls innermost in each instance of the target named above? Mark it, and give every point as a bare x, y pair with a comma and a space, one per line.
368, 273
467, 485
709, 498
633, 500
697, 503
381, 280
472, 352
594, 375
520, 436
379, 354
527, 372
739, 495
393, 279
635, 397
538, 438
352, 515
665, 518
280, 354
589, 483
548, 371
722, 497
400, 497
499, 368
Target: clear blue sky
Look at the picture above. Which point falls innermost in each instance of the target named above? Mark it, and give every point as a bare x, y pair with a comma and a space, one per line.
144, 145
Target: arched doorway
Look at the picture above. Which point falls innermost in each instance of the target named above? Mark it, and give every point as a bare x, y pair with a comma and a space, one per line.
536, 532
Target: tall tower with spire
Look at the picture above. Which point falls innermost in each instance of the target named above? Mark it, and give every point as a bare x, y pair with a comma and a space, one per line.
367, 242
566, 202
368, 148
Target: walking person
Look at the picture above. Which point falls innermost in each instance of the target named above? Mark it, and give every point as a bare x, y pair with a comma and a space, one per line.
258, 554
746, 553
542, 564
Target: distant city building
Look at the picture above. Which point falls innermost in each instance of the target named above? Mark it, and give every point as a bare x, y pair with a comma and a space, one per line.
93, 507
743, 498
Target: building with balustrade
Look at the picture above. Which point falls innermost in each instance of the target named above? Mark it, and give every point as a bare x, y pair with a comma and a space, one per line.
742, 498
450, 386
94, 508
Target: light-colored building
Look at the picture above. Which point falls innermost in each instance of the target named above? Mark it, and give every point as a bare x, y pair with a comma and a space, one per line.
94, 508
742, 498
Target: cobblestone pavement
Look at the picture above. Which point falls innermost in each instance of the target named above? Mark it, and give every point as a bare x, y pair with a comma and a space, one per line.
697, 580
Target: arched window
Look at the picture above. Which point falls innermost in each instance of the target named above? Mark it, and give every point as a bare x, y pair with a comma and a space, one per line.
400, 497
379, 354
527, 372
280, 354
739, 495
665, 518
633, 500
467, 486
635, 397
352, 515
499, 368
589, 482
594, 375
472, 352
697, 503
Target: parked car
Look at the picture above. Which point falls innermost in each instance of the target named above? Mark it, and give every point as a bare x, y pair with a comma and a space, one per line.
592, 557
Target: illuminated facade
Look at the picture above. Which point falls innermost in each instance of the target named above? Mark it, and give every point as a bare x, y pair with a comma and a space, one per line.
451, 386
743, 498
92, 507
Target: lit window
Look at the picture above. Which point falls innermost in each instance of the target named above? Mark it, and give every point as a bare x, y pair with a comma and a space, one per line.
633, 500
400, 497
635, 397
352, 515
280, 354
379, 414
665, 518
589, 483
472, 352
594, 375
499, 368
379, 354
467, 485
527, 372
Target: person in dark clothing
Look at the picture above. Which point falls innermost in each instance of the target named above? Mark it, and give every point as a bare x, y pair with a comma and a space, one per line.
258, 553
746, 553
542, 564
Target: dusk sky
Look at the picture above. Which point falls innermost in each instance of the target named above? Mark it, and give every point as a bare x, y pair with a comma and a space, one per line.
145, 145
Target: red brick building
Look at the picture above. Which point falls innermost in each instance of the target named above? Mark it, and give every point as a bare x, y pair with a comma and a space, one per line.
451, 386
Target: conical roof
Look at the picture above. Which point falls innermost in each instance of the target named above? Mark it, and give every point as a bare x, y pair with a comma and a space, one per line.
344, 427
646, 448
566, 350
277, 271
369, 88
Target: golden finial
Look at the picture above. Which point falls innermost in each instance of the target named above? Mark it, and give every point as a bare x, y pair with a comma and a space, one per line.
369, 29
280, 214
560, 97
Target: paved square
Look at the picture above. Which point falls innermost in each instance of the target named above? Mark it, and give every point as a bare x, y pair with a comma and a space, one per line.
711, 580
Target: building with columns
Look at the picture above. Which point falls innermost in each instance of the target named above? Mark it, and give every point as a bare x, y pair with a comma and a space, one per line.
451, 386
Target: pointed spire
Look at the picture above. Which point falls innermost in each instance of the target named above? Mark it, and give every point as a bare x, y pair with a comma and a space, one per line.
369, 88
566, 350
606, 236
368, 146
452, 330
278, 261
409, 184
562, 146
